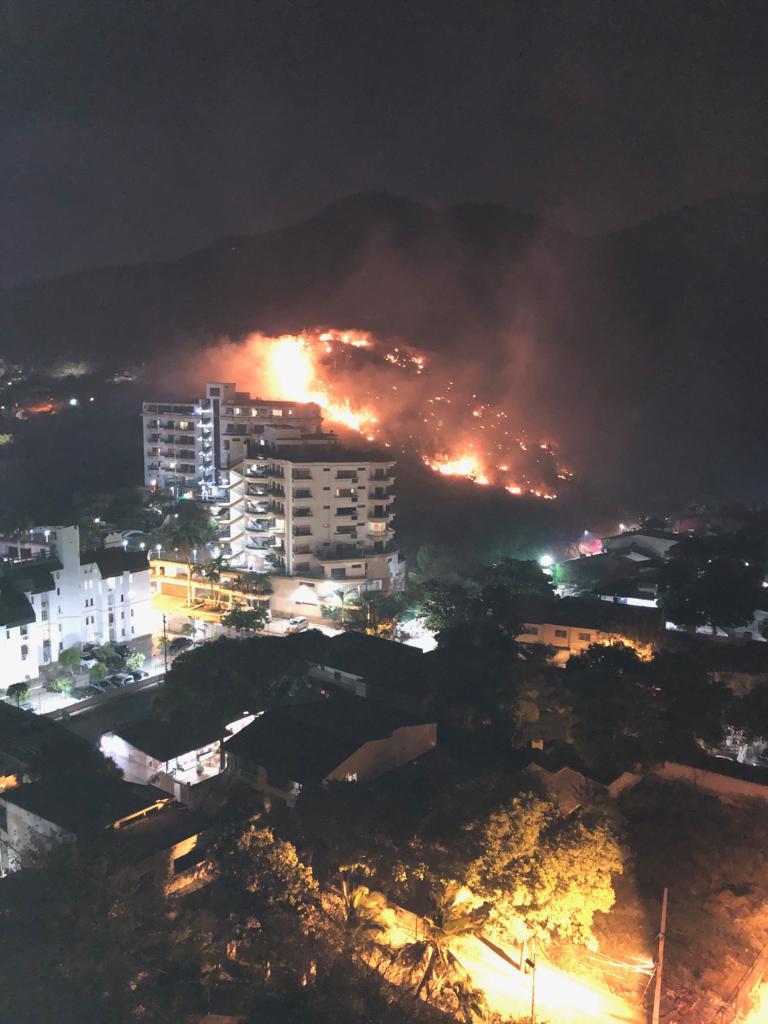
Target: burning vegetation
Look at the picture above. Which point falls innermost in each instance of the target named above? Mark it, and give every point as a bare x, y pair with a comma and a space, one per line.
400, 398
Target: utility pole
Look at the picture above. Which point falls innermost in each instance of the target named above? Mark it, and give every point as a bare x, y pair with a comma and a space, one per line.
530, 963
660, 959
165, 645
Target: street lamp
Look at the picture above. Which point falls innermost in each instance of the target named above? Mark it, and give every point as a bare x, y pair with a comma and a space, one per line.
165, 645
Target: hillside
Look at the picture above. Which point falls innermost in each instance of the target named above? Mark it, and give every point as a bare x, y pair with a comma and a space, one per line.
644, 352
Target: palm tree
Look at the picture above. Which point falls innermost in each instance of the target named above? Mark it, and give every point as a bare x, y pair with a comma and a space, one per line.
188, 531
362, 909
443, 974
211, 572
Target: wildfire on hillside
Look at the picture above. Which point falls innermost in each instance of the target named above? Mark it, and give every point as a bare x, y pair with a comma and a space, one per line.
402, 399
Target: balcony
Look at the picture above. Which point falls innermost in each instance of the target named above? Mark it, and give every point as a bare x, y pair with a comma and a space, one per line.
254, 491
301, 493
256, 507
260, 525
274, 472
351, 552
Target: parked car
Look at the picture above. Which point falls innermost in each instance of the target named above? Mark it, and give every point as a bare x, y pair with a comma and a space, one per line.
88, 660
138, 674
182, 643
297, 624
122, 650
82, 692
124, 677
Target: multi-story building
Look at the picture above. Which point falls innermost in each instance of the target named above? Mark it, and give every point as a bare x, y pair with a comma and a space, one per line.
187, 444
291, 500
52, 596
316, 515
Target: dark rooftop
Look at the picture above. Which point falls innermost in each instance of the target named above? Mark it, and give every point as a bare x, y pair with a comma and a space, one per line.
34, 577
645, 625
15, 609
305, 742
82, 809
114, 561
23, 734
164, 739
368, 656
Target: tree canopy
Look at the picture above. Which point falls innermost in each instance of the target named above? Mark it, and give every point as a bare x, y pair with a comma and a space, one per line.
544, 872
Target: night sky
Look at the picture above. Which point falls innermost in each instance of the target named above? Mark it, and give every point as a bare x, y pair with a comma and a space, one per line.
141, 130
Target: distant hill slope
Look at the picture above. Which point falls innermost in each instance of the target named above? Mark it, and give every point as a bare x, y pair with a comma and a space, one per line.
644, 351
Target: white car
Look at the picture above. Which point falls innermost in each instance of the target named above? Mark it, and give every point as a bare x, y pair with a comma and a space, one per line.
297, 624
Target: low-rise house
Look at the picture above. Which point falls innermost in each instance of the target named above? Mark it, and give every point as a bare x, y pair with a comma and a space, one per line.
23, 735
37, 815
339, 738
572, 624
369, 666
173, 755
644, 542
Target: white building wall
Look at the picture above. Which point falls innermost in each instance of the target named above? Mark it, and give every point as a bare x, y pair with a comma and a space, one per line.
82, 608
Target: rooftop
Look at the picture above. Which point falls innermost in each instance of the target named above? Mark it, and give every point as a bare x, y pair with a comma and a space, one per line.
163, 739
641, 624
329, 453
23, 734
79, 810
15, 609
34, 576
306, 742
368, 656
115, 561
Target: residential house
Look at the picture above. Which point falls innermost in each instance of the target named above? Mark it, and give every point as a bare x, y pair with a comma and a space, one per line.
572, 624
173, 755
338, 738
370, 666
37, 815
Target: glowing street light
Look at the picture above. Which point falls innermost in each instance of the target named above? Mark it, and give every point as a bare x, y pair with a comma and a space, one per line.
546, 561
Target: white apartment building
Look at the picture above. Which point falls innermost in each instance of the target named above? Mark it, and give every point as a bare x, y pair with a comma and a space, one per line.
291, 501
188, 443
318, 516
52, 596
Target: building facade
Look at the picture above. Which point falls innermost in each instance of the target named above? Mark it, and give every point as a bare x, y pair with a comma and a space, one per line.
57, 596
187, 444
290, 500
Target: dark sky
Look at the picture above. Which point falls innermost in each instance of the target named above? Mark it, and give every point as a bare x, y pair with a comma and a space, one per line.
140, 130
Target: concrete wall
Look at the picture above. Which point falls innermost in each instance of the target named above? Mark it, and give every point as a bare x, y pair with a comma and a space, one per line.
722, 786
344, 680
379, 756
24, 834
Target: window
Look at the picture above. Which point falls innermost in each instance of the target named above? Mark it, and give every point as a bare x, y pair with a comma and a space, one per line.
561, 634
24, 652
24, 631
585, 636
44, 614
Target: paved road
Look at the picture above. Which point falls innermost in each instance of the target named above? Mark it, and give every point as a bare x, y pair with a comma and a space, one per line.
121, 709
560, 997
